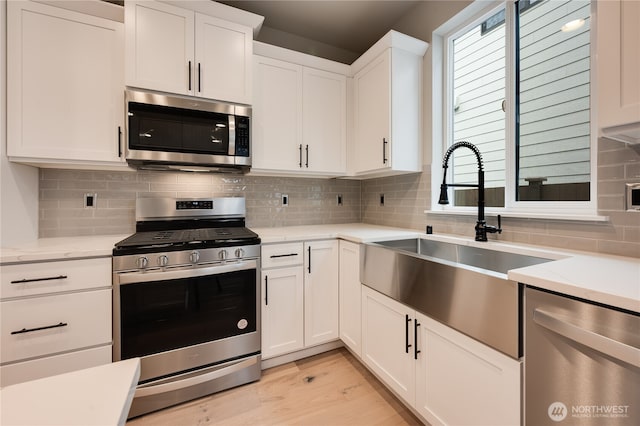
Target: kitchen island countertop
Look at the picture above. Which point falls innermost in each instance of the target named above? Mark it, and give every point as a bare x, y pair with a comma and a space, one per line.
99, 395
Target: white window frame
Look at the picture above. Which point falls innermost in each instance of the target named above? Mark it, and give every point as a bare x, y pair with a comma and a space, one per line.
442, 120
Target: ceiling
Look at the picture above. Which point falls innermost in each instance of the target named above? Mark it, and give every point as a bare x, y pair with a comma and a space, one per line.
352, 25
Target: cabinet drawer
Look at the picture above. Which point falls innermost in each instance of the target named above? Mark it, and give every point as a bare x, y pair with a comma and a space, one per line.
31, 279
53, 365
280, 255
39, 326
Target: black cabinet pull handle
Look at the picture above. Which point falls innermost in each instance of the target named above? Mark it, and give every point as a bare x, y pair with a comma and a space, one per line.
406, 334
119, 141
33, 280
384, 150
29, 330
309, 250
266, 290
307, 163
416, 351
275, 256
199, 82
300, 151
189, 75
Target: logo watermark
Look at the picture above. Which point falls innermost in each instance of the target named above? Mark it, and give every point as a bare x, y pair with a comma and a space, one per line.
557, 411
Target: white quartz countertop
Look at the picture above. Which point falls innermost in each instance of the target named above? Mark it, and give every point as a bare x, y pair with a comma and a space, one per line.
612, 280
60, 248
95, 396
354, 232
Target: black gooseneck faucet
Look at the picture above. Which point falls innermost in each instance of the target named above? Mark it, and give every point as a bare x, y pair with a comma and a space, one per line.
481, 226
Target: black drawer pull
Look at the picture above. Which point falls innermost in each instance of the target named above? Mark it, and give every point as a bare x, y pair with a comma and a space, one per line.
33, 280
275, 256
266, 290
29, 330
407, 345
416, 351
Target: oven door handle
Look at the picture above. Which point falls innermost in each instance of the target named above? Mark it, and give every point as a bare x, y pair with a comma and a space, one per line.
177, 383
188, 272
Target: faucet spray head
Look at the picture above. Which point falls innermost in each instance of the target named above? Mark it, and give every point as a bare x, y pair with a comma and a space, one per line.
444, 198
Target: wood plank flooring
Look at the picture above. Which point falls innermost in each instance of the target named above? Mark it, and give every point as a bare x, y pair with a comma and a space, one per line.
332, 388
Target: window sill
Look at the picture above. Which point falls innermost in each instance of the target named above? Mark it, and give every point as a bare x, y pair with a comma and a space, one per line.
574, 217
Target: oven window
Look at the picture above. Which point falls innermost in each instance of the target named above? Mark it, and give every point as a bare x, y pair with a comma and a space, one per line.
165, 315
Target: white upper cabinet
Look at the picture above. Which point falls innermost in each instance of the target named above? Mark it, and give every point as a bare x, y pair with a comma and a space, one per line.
65, 87
177, 50
159, 47
387, 83
324, 121
299, 114
277, 115
618, 58
223, 55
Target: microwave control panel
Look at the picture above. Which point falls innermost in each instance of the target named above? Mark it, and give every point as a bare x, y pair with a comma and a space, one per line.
242, 136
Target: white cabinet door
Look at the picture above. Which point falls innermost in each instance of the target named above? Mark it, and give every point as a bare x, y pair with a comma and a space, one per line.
277, 115
223, 60
65, 86
159, 47
321, 292
324, 121
282, 311
350, 296
463, 382
618, 62
372, 87
387, 342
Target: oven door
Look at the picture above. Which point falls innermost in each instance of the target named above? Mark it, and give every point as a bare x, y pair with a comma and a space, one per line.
188, 317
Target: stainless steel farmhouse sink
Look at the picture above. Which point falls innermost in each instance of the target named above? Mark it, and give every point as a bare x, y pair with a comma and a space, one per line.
461, 286
493, 260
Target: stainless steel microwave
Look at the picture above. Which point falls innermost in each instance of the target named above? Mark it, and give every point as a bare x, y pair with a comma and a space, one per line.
166, 132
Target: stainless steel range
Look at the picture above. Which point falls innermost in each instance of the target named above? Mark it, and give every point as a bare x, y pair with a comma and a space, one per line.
186, 299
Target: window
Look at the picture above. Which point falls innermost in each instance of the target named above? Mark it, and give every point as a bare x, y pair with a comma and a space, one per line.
517, 84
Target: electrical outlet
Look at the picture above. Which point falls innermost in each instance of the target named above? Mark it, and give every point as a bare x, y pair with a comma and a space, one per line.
285, 200
382, 199
90, 201
339, 199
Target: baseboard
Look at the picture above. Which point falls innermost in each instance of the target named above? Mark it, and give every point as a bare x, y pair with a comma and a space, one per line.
294, 356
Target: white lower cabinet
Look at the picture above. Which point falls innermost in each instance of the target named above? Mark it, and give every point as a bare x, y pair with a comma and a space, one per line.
55, 317
350, 296
447, 377
460, 381
387, 337
321, 292
299, 296
282, 311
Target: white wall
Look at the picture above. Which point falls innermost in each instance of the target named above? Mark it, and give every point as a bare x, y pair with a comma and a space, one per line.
18, 183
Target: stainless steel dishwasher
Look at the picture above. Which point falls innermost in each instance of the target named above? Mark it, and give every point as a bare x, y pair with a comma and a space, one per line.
581, 364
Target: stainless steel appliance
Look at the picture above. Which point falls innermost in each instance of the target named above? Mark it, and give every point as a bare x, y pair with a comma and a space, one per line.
186, 299
582, 362
181, 133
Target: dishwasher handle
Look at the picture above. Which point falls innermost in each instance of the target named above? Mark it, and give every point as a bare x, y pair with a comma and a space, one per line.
598, 342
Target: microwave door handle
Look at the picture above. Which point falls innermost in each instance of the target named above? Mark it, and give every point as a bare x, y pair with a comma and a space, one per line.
231, 125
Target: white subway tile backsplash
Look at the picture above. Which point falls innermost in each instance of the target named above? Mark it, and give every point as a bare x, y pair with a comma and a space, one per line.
62, 213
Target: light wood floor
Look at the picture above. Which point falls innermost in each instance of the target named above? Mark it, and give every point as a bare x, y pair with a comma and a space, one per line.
327, 389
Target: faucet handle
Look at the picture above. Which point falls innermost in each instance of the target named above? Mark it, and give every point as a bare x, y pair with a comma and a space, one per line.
499, 229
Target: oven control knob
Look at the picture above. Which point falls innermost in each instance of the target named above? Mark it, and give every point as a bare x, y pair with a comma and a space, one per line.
222, 254
142, 262
163, 260
239, 252
194, 256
